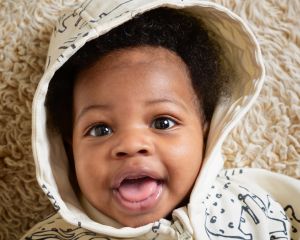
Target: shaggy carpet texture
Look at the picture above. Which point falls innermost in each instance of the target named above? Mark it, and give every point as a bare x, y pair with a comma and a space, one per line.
268, 137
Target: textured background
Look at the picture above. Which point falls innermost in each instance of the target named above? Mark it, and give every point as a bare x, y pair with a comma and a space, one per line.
268, 137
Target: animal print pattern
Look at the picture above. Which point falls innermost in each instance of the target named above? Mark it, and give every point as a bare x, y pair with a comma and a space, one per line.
234, 211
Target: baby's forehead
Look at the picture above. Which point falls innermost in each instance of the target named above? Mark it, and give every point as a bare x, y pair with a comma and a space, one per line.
136, 69
144, 55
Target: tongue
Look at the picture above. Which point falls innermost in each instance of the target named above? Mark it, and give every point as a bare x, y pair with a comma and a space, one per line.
135, 190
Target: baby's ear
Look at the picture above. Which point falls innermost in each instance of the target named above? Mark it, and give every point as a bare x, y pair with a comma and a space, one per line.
68, 140
68, 147
205, 129
72, 171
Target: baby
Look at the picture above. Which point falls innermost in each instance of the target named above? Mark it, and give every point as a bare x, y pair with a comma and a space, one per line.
135, 121
143, 96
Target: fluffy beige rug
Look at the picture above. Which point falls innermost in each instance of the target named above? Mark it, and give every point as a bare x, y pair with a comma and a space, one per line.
268, 137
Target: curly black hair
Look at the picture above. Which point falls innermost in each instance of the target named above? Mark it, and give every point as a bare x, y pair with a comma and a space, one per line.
172, 29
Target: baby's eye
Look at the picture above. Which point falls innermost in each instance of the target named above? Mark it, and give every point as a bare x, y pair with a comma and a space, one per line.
99, 130
163, 123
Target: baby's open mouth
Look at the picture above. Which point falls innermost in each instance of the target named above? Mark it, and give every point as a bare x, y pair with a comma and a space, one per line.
138, 192
138, 189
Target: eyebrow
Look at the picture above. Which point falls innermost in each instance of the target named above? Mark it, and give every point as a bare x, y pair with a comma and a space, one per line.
167, 100
106, 107
92, 107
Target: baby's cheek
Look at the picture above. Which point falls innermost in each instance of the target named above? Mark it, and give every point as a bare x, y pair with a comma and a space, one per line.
183, 170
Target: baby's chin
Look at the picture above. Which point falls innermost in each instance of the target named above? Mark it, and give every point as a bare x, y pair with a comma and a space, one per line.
139, 221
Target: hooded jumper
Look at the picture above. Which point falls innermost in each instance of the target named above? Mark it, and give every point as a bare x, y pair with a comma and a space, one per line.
224, 204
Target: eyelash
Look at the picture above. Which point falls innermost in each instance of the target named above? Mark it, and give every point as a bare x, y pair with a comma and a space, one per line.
109, 130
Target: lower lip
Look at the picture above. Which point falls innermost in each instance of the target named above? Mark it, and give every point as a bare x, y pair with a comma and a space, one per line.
143, 205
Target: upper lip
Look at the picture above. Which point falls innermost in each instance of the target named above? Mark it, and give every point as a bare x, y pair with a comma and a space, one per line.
134, 173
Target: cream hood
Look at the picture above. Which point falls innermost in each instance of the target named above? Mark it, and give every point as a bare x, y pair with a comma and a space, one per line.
96, 17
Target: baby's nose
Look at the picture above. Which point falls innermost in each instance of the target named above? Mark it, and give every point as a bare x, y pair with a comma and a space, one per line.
131, 143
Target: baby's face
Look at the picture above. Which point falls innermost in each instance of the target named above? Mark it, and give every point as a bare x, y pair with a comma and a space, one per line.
137, 134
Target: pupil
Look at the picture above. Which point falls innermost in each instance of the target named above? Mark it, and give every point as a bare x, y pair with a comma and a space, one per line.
163, 124
102, 130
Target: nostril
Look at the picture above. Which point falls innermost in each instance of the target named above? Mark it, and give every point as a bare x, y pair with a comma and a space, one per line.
143, 151
121, 154
124, 154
